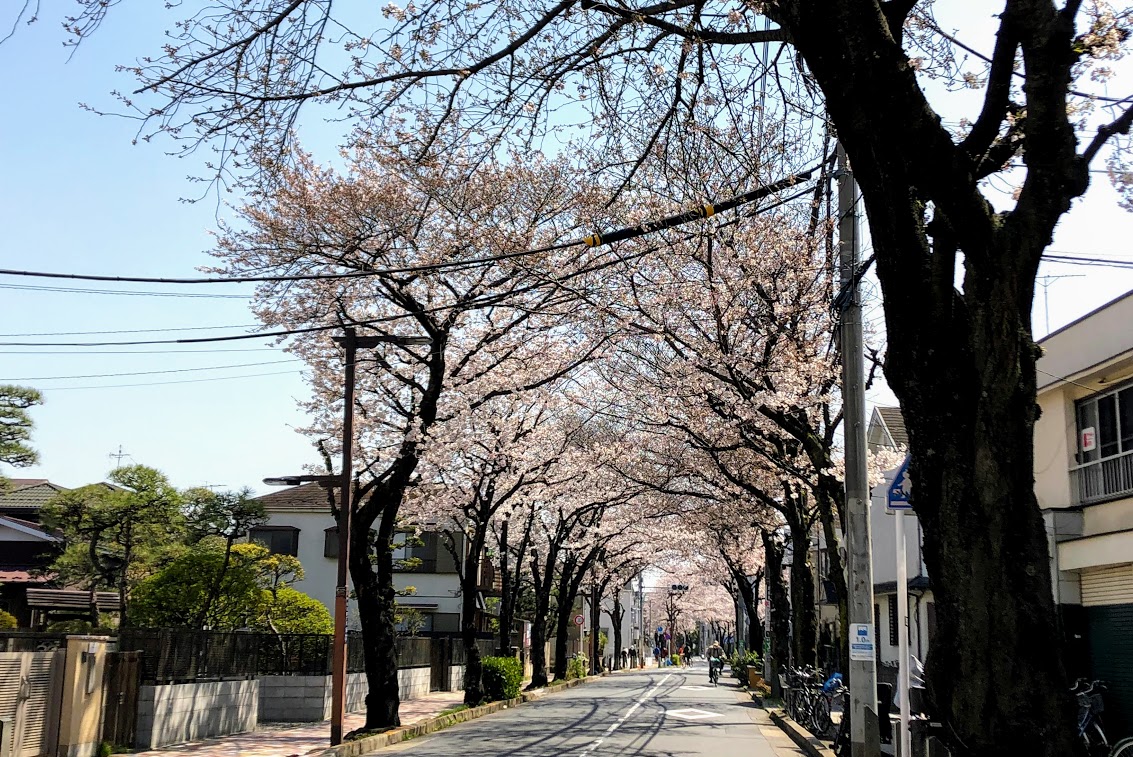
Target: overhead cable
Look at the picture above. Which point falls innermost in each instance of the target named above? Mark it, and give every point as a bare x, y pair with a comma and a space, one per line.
593, 240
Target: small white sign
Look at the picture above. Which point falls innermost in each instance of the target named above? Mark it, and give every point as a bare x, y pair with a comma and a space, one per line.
1089, 439
861, 641
579, 620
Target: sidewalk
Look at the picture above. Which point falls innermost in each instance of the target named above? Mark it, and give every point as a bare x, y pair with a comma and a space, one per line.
288, 740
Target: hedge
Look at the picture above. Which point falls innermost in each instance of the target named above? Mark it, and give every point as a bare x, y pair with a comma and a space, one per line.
502, 677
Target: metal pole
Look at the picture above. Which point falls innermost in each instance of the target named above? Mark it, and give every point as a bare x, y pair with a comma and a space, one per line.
641, 618
864, 733
345, 511
903, 634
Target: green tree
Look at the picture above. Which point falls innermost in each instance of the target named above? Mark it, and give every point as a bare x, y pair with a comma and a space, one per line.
254, 592
225, 515
16, 425
114, 536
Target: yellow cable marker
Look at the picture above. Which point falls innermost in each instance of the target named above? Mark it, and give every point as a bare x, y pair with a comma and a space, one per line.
593, 240
709, 211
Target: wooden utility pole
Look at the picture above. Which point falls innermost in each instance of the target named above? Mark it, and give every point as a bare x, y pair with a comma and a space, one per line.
864, 730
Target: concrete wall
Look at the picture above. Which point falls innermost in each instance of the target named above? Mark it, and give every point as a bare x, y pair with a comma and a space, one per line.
303, 699
294, 699
1090, 341
81, 711
176, 713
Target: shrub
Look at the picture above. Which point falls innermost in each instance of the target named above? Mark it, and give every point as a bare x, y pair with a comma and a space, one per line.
740, 663
577, 666
502, 677
8, 621
675, 660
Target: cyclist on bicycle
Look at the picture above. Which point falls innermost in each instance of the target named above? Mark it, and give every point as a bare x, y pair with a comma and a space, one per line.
715, 655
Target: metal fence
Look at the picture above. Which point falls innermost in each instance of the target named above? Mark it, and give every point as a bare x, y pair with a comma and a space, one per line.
173, 655
31, 641
295, 654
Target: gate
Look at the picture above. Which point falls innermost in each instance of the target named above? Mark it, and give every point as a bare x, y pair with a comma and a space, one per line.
440, 663
31, 687
121, 681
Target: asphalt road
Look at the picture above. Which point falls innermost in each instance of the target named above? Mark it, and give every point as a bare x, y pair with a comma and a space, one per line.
651, 713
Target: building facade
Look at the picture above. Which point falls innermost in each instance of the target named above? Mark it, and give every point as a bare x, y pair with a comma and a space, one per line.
1084, 484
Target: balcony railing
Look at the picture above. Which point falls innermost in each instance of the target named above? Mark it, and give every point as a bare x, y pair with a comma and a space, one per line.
1104, 479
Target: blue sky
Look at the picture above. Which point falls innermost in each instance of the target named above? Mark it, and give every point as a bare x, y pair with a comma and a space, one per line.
77, 196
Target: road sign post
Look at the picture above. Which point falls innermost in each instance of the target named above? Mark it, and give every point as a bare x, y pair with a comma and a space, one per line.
899, 500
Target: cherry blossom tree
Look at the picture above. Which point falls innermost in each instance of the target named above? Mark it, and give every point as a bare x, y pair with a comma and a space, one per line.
384, 233
504, 455
961, 359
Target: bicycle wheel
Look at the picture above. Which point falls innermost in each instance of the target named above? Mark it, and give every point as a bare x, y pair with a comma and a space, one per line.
820, 716
1123, 748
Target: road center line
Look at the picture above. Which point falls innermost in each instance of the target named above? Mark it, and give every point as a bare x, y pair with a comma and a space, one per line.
625, 716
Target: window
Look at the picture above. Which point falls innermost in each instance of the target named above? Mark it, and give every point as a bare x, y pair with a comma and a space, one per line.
893, 621
1104, 449
330, 543
877, 631
280, 540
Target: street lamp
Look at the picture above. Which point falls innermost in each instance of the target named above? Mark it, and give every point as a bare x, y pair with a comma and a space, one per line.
350, 342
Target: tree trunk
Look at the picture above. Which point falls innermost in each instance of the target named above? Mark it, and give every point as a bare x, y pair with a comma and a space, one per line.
373, 587
596, 648
562, 624
539, 623
962, 360
754, 627
473, 668
617, 614
780, 608
829, 515
804, 627
507, 602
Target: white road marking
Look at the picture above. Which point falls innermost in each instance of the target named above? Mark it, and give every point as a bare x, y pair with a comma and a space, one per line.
692, 714
625, 716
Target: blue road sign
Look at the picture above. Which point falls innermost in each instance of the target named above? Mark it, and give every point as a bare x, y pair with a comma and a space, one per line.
900, 493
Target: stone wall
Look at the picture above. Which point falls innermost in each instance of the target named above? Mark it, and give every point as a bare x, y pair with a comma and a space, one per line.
295, 699
298, 699
176, 713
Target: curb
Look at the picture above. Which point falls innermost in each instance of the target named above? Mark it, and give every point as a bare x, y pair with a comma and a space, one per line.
802, 738
430, 725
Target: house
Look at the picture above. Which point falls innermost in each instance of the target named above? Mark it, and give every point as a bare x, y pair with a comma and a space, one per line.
1084, 484
24, 497
26, 549
300, 523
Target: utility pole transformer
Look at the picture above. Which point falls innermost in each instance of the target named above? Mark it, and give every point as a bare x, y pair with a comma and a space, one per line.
864, 730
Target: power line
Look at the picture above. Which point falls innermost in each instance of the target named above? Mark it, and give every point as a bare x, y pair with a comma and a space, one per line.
136, 331
76, 290
593, 240
133, 352
150, 373
163, 383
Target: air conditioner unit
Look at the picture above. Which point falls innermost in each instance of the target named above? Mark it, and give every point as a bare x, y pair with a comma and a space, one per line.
6, 727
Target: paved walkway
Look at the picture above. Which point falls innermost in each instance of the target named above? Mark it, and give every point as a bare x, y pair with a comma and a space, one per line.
289, 740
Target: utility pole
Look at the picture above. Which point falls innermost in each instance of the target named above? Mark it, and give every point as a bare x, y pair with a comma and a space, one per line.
641, 617
864, 730
345, 513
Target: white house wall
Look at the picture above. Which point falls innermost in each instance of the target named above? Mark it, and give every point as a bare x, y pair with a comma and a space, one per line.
321, 573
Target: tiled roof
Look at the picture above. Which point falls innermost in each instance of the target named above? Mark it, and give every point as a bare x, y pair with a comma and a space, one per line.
895, 423
29, 525
28, 494
21, 577
303, 497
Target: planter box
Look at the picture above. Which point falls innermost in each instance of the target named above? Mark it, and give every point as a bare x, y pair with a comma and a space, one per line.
754, 676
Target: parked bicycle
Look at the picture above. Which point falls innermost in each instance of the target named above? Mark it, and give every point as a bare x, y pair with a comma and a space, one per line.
1091, 705
805, 700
